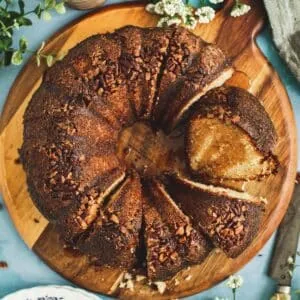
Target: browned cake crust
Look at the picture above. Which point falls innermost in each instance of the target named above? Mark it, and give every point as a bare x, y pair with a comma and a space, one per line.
183, 48
209, 68
114, 236
231, 222
171, 241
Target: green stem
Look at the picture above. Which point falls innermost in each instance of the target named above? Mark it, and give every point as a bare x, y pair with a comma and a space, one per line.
234, 294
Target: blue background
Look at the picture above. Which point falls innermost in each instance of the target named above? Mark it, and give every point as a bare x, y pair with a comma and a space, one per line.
25, 269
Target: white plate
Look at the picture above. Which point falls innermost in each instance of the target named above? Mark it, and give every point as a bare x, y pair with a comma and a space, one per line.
51, 292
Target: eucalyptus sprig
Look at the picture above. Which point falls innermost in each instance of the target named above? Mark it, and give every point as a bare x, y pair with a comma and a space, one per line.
12, 19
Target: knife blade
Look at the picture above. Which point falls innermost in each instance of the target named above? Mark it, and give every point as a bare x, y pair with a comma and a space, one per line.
286, 246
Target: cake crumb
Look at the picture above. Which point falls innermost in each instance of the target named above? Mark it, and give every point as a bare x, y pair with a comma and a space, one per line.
140, 278
127, 276
130, 285
161, 286
188, 278
3, 264
176, 282
264, 200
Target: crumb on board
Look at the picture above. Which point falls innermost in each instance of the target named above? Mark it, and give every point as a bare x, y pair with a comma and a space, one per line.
3, 264
161, 286
35, 220
188, 278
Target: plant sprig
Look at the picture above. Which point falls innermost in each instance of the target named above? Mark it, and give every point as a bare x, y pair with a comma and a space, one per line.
13, 19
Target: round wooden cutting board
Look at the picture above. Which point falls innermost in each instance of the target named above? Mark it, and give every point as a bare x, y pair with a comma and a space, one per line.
234, 35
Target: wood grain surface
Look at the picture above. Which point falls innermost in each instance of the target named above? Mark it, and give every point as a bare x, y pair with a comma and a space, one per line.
236, 37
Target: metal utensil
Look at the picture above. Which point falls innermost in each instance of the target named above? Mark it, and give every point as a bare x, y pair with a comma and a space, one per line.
285, 247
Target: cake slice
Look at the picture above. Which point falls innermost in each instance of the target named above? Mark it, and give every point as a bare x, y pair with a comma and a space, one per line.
131, 63
230, 136
231, 219
209, 69
171, 241
183, 48
114, 236
155, 45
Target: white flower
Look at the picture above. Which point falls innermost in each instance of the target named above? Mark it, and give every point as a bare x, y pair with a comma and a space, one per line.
205, 14
239, 9
290, 260
220, 298
150, 7
216, 1
235, 281
173, 7
159, 8
167, 21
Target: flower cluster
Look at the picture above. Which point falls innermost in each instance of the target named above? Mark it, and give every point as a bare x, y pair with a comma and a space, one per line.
239, 9
176, 12
235, 281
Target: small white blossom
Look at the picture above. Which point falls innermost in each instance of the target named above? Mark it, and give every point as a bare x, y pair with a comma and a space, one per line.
150, 7
220, 298
205, 14
239, 9
167, 21
216, 1
159, 8
173, 7
235, 281
290, 260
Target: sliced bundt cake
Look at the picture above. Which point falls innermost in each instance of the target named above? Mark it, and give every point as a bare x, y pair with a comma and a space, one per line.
171, 241
230, 136
209, 69
114, 236
231, 219
81, 161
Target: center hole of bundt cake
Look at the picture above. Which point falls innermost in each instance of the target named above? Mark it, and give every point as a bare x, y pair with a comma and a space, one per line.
150, 151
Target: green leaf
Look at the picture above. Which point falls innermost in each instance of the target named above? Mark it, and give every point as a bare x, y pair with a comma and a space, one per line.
24, 21
297, 292
7, 57
21, 6
49, 4
46, 16
38, 10
49, 60
17, 58
5, 43
60, 8
23, 44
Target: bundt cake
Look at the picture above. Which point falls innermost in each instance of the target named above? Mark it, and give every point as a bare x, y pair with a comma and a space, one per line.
120, 208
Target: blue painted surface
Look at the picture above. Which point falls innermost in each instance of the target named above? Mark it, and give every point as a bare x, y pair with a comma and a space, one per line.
27, 270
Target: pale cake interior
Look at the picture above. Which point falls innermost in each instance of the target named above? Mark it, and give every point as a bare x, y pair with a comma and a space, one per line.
223, 150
